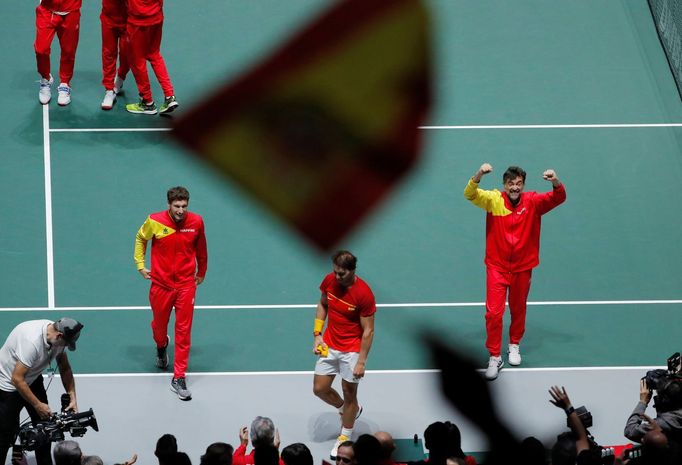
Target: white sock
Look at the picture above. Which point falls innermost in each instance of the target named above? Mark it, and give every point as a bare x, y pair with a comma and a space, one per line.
346, 432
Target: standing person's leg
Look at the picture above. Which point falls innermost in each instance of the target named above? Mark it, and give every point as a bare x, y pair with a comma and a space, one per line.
351, 408
68, 33
518, 298
496, 294
45, 31
109, 54
170, 103
137, 53
10, 406
184, 314
157, 61
161, 301
322, 388
43, 453
123, 65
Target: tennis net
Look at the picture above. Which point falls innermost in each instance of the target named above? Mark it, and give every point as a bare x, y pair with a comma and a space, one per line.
667, 15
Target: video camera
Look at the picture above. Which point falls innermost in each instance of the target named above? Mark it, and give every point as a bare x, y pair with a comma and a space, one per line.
32, 436
667, 384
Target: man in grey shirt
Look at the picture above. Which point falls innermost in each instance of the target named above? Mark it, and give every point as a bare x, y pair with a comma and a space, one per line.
30, 348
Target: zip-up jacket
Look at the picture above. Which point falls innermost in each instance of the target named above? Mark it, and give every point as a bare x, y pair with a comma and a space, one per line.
114, 13
512, 233
178, 249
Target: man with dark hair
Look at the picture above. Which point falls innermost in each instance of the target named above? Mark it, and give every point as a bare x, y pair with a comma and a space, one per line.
512, 250
179, 262
367, 450
67, 453
343, 349
218, 453
297, 454
29, 349
166, 448
345, 455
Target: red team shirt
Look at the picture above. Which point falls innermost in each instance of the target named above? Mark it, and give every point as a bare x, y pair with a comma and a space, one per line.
114, 12
344, 309
145, 12
61, 5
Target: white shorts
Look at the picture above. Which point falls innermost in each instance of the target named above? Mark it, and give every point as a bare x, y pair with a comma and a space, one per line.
338, 363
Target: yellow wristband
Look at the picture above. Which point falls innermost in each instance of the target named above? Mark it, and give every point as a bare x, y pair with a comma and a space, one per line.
317, 327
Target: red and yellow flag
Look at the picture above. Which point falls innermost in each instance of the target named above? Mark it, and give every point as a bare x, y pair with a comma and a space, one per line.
323, 128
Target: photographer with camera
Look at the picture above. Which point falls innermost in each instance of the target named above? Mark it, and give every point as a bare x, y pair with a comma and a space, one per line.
30, 348
668, 405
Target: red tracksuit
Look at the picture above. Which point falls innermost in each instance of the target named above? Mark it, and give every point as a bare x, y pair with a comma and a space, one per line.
179, 255
145, 28
512, 250
67, 28
114, 44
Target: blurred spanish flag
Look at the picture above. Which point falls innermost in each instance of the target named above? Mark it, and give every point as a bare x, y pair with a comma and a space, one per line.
325, 126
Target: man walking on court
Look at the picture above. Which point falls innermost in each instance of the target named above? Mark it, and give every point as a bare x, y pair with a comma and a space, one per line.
512, 250
179, 262
61, 17
348, 304
30, 348
145, 27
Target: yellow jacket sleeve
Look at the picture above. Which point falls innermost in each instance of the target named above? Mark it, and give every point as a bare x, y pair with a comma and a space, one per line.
145, 233
490, 201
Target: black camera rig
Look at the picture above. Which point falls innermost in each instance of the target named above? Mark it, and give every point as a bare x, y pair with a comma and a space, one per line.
32, 436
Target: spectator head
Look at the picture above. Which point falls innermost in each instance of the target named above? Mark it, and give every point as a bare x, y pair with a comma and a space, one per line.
297, 454
454, 440
669, 398
387, 444
345, 454
262, 432
436, 439
92, 460
564, 451
455, 461
367, 450
218, 453
67, 453
166, 447
533, 452
266, 455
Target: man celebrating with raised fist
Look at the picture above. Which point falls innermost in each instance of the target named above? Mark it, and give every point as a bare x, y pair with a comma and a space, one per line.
512, 250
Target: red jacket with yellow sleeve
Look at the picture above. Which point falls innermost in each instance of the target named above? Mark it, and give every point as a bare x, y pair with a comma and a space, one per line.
512, 233
178, 249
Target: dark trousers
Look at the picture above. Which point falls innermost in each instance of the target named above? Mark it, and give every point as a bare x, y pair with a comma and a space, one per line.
11, 404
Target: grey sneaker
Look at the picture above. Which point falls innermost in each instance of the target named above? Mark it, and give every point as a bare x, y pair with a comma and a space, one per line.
169, 104
179, 387
162, 355
514, 353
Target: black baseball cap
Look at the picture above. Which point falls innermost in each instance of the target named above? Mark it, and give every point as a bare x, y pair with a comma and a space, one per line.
71, 329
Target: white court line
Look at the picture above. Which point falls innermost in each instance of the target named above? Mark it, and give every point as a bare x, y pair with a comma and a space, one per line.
369, 372
558, 126
112, 130
400, 305
48, 207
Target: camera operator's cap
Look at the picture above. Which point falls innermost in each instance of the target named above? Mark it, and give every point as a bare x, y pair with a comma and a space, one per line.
71, 329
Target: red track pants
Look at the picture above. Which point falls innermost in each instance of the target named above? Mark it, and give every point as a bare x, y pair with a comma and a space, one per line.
67, 28
497, 285
162, 301
114, 48
144, 44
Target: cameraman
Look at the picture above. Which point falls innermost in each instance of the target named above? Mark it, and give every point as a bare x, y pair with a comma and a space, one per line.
31, 347
668, 405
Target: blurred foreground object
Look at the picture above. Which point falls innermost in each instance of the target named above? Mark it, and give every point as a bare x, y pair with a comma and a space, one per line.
323, 128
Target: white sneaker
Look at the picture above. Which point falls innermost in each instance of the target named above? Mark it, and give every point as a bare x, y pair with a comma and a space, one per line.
109, 99
45, 92
514, 357
118, 85
63, 94
494, 367
335, 450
